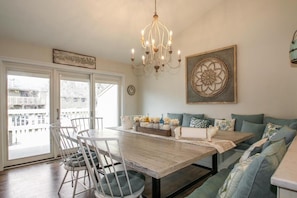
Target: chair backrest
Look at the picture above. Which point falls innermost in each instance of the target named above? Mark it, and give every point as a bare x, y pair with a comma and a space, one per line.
87, 123
109, 183
68, 147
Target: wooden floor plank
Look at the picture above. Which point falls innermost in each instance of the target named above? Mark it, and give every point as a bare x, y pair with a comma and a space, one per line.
42, 181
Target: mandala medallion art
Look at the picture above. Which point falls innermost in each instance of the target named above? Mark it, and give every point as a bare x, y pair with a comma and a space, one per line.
209, 77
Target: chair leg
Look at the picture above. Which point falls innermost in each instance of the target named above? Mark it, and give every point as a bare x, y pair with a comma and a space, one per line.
75, 184
63, 181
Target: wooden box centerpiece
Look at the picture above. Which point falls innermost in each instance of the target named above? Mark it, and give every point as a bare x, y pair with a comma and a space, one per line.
154, 131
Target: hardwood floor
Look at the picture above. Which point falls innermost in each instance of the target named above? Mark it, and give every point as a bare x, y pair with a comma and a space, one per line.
43, 180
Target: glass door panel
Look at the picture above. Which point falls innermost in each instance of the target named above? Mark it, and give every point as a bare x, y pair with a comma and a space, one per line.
74, 99
107, 103
28, 115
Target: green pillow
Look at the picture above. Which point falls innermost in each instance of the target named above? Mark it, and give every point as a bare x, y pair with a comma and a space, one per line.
254, 118
187, 118
256, 129
255, 181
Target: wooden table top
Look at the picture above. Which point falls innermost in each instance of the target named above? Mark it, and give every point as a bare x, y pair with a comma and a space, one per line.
158, 157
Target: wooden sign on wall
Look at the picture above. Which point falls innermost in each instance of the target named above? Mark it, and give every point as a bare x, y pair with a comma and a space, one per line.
73, 59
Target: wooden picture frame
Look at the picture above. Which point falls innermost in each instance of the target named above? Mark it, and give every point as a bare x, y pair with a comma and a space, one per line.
73, 59
211, 77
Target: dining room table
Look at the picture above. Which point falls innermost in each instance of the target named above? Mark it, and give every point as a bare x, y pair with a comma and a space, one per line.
159, 156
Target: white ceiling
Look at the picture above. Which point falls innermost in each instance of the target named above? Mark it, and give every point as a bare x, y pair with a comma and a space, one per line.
101, 28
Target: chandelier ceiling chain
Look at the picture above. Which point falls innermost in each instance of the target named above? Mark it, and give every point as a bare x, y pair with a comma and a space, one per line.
156, 40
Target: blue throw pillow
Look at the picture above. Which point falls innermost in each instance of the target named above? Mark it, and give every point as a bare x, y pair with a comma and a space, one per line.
284, 133
254, 118
255, 181
187, 118
256, 129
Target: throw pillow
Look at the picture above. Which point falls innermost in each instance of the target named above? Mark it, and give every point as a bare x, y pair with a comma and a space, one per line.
256, 129
270, 129
187, 118
292, 123
254, 118
225, 125
199, 123
252, 149
233, 179
255, 181
285, 132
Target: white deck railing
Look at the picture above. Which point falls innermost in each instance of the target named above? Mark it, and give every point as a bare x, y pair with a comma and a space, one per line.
23, 122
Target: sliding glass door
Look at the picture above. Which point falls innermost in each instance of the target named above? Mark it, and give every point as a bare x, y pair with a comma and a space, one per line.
28, 110
39, 96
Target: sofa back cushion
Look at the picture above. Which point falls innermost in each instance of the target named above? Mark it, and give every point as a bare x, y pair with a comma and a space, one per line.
254, 118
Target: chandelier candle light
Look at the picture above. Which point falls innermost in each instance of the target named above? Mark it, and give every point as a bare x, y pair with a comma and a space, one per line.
156, 41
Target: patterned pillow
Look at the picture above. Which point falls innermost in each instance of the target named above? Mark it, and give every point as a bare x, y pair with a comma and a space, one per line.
199, 123
234, 177
225, 125
270, 130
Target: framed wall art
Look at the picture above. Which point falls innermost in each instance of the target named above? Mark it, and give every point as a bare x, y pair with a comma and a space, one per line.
211, 76
73, 59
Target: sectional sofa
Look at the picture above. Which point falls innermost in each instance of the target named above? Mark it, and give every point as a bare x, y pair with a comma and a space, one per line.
249, 176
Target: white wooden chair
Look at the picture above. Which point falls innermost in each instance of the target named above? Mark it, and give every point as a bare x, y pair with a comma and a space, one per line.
115, 183
87, 123
72, 157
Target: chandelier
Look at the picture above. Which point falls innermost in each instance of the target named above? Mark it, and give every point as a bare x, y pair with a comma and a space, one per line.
156, 40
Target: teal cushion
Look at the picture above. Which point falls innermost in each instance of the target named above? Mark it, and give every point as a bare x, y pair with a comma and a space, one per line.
178, 116
292, 123
199, 123
187, 118
77, 159
254, 118
285, 132
136, 179
210, 187
255, 181
256, 129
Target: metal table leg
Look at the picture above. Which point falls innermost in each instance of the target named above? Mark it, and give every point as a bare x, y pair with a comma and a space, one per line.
156, 188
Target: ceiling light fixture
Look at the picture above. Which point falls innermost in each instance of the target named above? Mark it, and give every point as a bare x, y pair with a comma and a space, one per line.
156, 41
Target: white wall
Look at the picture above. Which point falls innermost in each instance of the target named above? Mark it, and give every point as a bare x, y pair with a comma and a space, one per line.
262, 31
27, 51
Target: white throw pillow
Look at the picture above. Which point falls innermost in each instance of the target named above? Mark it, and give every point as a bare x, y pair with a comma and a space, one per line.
225, 125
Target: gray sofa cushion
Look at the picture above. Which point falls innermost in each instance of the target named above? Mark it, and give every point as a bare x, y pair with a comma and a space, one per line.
292, 123
211, 186
254, 118
256, 129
